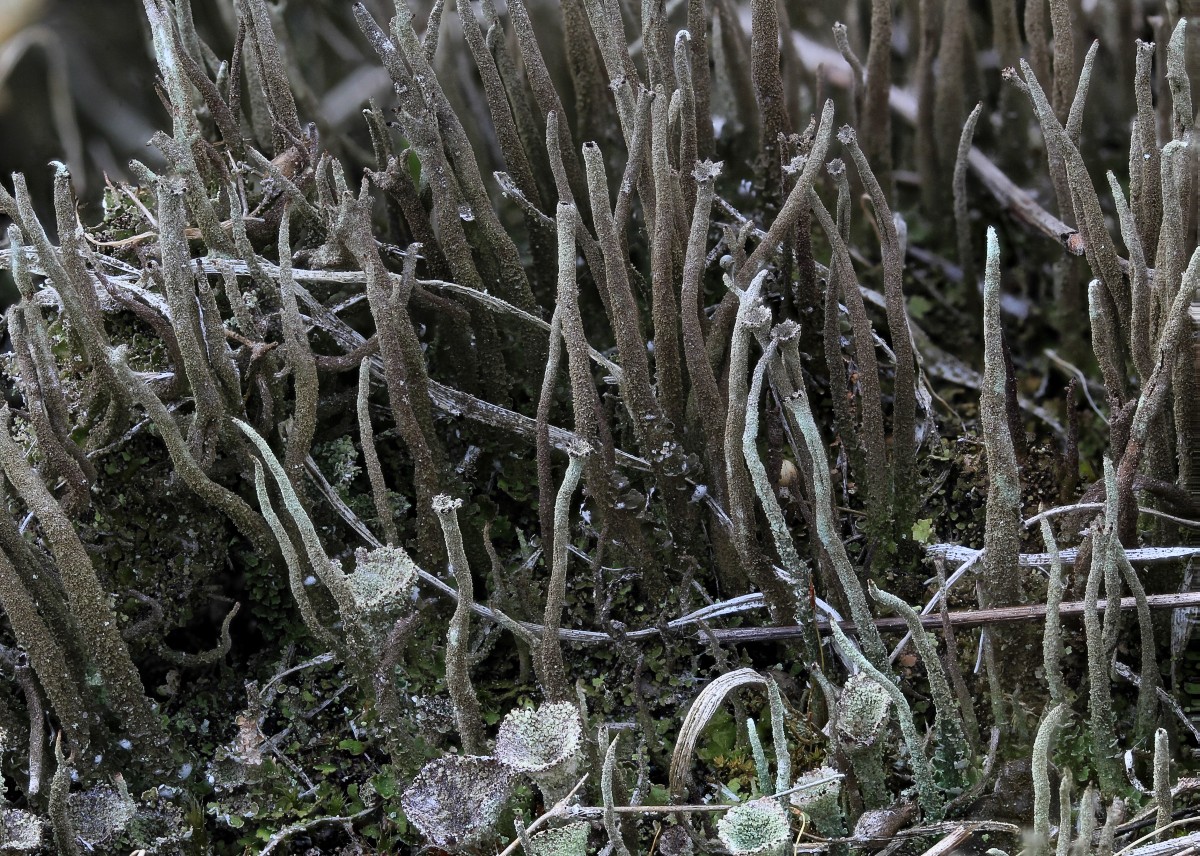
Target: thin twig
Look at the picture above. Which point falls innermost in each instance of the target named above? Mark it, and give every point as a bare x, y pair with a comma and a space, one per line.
1099, 506
957, 553
589, 812
926, 831
296, 828
937, 598
554, 811
1164, 696
318, 660
951, 841
1186, 842
966, 618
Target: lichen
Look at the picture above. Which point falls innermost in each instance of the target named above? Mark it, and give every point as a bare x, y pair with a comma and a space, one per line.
756, 828
820, 799
455, 801
544, 743
567, 840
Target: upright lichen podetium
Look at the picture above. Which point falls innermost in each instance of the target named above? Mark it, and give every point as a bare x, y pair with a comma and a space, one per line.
1002, 535
88, 600
549, 660
467, 714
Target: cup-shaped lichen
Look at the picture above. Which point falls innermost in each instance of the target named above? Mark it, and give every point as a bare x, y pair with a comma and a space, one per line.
862, 711
675, 841
22, 831
455, 801
569, 840
544, 744
381, 589
758, 827
821, 800
862, 716
100, 813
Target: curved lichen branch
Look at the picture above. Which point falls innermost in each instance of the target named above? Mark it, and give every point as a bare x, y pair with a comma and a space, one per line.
243, 516
828, 532
89, 602
931, 801
552, 670
326, 570
1162, 780
467, 713
366, 435
291, 559
950, 730
1043, 745
798, 574
1052, 643
213, 655
46, 654
904, 438
612, 824
1101, 721
60, 790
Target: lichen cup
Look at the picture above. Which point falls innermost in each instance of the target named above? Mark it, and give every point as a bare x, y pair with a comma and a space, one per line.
862, 717
544, 744
822, 801
381, 590
455, 801
568, 840
22, 831
756, 828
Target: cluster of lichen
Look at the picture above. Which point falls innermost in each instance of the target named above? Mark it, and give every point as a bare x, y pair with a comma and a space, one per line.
275, 298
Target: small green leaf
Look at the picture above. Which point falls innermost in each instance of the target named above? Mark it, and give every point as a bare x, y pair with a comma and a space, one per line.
922, 530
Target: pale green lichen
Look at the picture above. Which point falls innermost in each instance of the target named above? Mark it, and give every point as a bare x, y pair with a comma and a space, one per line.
1164, 801
827, 529
612, 824
952, 753
101, 813
1101, 719
1089, 806
931, 801
821, 802
552, 671
756, 828
567, 840
1043, 745
545, 744
861, 717
1002, 578
783, 757
1052, 644
761, 768
1066, 785
381, 589
467, 712
23, 831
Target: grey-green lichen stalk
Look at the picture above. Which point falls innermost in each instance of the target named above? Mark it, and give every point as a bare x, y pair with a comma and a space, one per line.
931, 801
468, 715
1002, 534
